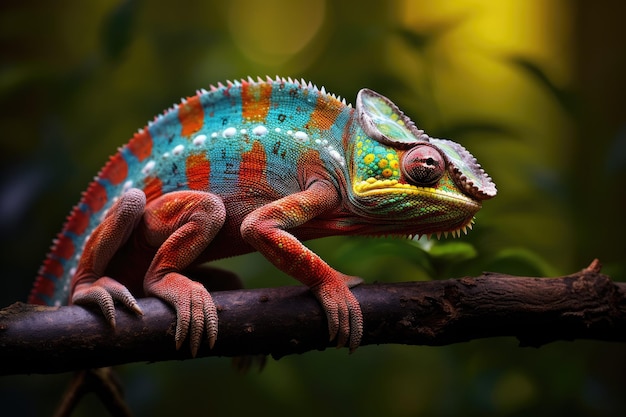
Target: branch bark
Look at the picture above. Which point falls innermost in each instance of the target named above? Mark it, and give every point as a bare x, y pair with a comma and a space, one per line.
287, 320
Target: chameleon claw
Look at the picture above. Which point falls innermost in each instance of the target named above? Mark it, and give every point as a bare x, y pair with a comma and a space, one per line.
182, 325
343, 312
104, 292
212, 340
356, 324
196, 313
104, 300
210, 317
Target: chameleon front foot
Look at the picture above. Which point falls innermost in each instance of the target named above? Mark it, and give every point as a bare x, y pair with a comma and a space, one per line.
343, 312
196, 313
104, 292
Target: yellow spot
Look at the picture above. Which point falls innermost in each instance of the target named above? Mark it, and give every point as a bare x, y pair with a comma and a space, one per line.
383, 163
369, 158
387, 173
394, 163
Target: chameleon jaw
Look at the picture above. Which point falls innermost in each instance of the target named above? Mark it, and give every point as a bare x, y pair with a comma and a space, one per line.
373, 186
413, 219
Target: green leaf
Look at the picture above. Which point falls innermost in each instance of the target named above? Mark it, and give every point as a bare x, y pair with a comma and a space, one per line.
453, 252
385, 260
564, 97
522, 261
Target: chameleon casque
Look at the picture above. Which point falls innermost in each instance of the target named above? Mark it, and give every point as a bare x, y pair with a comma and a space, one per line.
255, 166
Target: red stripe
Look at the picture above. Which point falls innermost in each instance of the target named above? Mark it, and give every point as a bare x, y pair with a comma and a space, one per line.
252, 165
116, 170
252, 182
198, 170
153, 188
43, 286
141, 144
191, 116
34, 297
63, 247
95, 197
52, 267
77, 222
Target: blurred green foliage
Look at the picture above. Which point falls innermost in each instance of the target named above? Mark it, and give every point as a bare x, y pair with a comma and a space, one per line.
535, 90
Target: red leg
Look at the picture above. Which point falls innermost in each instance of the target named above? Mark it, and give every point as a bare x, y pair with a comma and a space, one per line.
182, 224
266, 230
89, 285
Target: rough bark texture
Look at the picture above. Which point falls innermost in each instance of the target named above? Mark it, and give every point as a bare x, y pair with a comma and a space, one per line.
283, 321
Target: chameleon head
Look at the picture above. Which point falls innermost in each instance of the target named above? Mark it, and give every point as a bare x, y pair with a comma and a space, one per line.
404, 181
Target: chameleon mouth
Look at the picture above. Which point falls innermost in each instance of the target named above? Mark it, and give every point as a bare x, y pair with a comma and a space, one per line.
373, 186
432, 212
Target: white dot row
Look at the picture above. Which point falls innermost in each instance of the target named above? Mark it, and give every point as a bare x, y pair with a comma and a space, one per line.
336, 155
229, 132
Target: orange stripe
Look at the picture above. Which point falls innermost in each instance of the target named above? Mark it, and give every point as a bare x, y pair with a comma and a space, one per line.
153, 188
191, 116
77, 222
63, 247
198, 169
53, 267
116, 170
141, 145
325, 113
252, 181
44, 285
95, 197
253, 164
255, 101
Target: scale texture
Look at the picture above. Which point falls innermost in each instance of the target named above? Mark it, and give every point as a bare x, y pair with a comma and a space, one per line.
255, 165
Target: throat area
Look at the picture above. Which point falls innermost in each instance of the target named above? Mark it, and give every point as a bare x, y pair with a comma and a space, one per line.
388, 207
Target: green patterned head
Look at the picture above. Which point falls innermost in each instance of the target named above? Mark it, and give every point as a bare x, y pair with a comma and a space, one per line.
403, 180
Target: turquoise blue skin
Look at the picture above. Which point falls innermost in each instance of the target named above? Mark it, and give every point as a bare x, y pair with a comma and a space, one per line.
223, 112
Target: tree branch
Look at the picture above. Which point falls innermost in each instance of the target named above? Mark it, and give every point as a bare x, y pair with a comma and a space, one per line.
287, 320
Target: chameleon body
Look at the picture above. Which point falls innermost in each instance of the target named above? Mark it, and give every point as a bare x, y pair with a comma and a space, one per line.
255, 165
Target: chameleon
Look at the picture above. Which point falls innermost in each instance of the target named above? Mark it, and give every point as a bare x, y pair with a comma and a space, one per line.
255, 165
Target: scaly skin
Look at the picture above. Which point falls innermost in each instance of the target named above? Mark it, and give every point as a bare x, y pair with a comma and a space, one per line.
255, 165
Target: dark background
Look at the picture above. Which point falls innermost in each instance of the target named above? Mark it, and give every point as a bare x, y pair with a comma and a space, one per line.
534, 89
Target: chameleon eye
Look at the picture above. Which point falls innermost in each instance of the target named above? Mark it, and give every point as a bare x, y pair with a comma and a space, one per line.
423, 165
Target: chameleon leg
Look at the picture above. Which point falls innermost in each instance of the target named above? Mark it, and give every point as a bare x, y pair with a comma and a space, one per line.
89, 285
266, 230
182, 224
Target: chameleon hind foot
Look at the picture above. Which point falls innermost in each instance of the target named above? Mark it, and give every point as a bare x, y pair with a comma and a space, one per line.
104, 292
